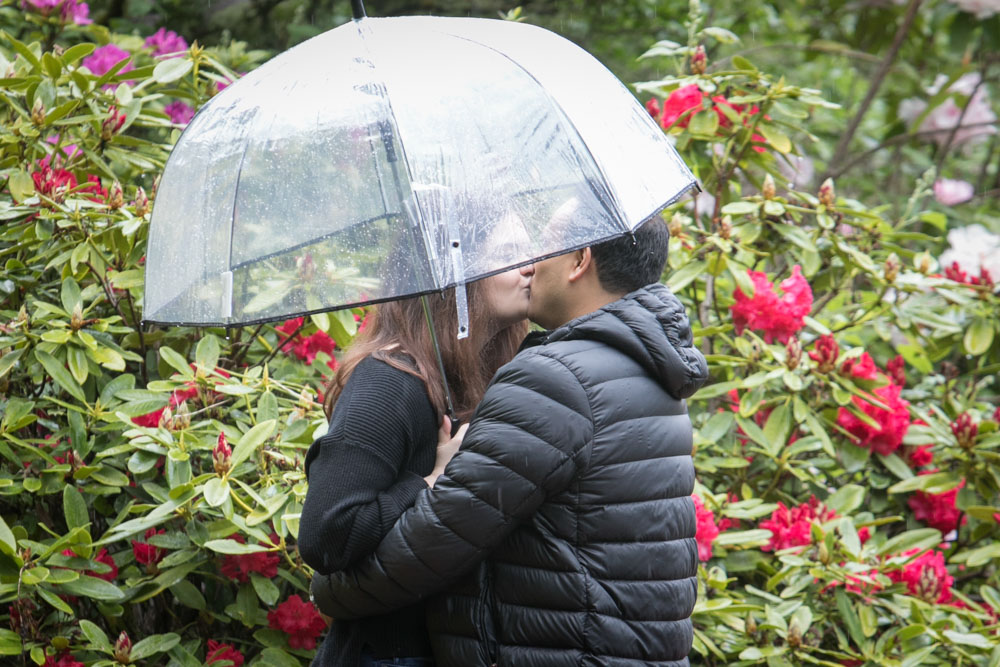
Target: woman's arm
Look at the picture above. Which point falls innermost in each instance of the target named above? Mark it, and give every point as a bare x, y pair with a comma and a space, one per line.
358, 482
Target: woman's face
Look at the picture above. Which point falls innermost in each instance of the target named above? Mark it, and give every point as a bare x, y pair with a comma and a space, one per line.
508, 295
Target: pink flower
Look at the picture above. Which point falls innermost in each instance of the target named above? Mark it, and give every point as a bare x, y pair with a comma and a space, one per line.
896, 370
920, 456
950, 192
983, 9
217, 652
893, 423
926, 577
71, 11
793, 527
179, 112
653, 107
977, 120
239, 566
64, 660
778, 317
825, 353
937, 510
166, 42
104, 58
306, 347
706, 530
300, 620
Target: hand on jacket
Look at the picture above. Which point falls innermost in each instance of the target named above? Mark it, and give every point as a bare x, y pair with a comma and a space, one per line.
446, 448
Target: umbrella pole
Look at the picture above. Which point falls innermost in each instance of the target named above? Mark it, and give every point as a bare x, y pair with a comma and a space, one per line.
449, 407
358, 9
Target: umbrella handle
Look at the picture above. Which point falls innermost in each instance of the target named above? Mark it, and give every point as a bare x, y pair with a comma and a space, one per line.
358, 9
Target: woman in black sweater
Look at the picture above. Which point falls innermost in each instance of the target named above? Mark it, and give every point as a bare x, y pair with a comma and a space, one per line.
388, 439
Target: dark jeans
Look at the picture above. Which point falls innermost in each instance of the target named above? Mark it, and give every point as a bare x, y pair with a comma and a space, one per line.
368, 661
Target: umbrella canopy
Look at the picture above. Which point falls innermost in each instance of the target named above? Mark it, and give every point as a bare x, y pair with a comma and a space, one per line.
392, 157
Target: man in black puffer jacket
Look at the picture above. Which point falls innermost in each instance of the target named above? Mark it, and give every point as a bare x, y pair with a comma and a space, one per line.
562, 532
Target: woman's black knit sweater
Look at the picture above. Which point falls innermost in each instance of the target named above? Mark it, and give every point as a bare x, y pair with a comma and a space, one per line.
363, 474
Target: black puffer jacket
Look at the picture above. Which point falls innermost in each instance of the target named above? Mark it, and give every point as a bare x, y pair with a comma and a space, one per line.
564, 526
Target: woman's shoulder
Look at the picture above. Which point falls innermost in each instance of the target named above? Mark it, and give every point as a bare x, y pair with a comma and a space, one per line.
380, 381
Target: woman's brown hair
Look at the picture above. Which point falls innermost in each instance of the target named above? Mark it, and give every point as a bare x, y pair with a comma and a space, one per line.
396, 332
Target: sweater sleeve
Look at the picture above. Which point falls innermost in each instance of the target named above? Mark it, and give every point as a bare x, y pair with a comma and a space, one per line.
358, 481
526, 441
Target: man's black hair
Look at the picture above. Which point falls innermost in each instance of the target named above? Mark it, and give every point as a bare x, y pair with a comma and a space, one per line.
625, 264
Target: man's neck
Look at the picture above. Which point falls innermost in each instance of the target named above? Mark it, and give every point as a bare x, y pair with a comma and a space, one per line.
588, 304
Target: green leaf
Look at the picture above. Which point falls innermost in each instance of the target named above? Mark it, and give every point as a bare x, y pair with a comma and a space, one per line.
739, 62
740, 208
54, 600
275, 657
744, 538
74, 507
849, 617
980, 556
94, 633
176, 361
233, 547
153, 645
721, 34
265, 588
62, 376
267, 406
978, 337
778, 140
916, 356
171, 69
92, 587
937, 482
968, 639
76, 359
188, 595
110, 476
9, 360
69, 295
10, 643
921, 538
216, 491
251, 440
683, 276
896, 466
77, 51
704, 123
207, 352
846, 499
21, 186
777, 428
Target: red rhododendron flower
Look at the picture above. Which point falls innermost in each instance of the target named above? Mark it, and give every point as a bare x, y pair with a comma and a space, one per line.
792, 527
965, 430
896, 370
217, 652
64, 660
937, 510
306, 347
684, 101
862, 368
300, 620
893, 423
926, 577
102, 557
777, 317
826, 353
706, 530
239, 566
147, 554
653, 107
920, 456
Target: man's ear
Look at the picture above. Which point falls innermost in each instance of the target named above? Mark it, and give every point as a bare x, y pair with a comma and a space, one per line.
583, 262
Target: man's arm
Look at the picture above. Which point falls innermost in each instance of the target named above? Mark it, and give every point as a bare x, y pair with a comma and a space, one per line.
528, 436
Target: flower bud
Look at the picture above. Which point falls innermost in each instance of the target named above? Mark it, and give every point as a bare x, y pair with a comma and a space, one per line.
76, 318
751, 625
825, 354
827, 195
964, 430
182, 418
116, 197
823, 554
891, 268
141, 204
794, 636
167, 419
38, 112
794, 351
676, 225
306, 267
699, 60
123, 649
156, 186
924, 263
767, 189
113, 123
726, 227
222, 456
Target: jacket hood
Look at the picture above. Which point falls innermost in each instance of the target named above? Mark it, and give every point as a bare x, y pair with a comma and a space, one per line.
650, 326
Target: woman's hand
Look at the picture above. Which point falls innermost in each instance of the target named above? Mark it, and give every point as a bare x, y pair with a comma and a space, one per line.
447, 446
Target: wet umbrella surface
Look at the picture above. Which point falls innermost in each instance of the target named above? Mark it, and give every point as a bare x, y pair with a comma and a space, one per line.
392, 157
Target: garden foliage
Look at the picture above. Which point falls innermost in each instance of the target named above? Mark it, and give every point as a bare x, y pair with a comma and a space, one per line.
847, 448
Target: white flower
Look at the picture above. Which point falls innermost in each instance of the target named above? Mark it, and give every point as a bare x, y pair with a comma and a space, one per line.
951, 192
981, 8
974, 248
978, 120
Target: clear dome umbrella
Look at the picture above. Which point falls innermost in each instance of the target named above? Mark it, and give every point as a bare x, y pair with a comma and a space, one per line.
394, 157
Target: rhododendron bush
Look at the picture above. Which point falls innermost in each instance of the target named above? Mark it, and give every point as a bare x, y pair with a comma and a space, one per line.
848, 503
